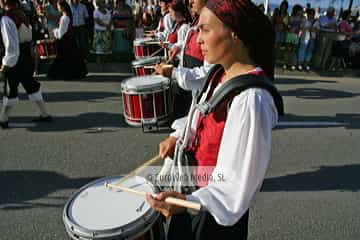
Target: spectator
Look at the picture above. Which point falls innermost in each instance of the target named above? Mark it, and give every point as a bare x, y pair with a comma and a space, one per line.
52, 15
308, 32
102, 33
328, 21
292, 37
80, 14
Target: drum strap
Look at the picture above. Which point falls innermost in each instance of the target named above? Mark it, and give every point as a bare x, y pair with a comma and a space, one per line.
234, 87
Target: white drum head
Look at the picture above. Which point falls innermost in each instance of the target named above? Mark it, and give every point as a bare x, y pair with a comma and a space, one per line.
96, 208
145, 83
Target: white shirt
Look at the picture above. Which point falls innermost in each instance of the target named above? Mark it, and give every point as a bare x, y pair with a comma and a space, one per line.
243, 158
168, 27
79, 13
10, 39
191, 78
181, 36
105, 18
63, 27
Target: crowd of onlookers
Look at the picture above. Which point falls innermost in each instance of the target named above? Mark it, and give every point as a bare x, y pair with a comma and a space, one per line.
296, 38
298, 34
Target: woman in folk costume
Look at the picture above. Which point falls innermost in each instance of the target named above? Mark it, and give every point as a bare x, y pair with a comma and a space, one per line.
233, 138
69, 63
166, 23
18, 63
191, 66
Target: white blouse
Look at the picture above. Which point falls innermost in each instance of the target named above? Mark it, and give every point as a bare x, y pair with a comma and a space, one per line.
243, 158
63, 27
181, 36
168, 28
10, 40
105, 18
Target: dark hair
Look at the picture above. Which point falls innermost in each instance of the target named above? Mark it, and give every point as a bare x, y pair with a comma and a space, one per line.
296, 8
310, 11
255, 29
180, 6
345, 14
283, 4
12, 3
66, 8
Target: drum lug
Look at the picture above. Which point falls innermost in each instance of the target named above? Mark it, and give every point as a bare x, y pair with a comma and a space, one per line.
149, 124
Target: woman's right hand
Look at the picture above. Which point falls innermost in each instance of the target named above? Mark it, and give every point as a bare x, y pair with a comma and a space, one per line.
167, 147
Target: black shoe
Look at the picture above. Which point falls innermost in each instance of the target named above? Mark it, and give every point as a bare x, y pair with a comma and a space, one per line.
4, 125
43, 119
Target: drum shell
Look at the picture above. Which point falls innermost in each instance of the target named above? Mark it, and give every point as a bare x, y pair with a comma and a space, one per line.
132, 230
46, 48
146, 48
145, 66
147, 103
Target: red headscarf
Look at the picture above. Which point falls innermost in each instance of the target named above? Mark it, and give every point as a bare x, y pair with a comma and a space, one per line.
251, 26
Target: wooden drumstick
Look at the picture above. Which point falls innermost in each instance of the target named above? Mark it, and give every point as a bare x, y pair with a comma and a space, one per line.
170, 200
139, 169
156, 52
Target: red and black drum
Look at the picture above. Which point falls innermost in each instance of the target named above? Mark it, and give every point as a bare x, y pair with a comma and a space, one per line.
145, 47
46, 48
146, 100
146, 66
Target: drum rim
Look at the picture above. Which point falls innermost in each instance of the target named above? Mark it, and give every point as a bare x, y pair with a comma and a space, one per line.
146, 89
130, 229
147, 60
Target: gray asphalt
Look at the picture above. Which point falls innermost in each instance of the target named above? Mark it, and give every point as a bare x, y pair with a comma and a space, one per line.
311, 190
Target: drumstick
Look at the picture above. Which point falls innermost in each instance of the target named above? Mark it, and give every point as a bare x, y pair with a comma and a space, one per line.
166, 65
148, 67
156, 52
170, 200
139, 169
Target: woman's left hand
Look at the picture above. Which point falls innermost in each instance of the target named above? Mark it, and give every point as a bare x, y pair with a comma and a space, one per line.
158, 203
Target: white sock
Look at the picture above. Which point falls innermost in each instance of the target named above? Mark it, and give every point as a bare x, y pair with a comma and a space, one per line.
42, 108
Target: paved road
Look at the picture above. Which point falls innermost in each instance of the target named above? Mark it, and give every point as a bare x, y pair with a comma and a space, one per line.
311, 190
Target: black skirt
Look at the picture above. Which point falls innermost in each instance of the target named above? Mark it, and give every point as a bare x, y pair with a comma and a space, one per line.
69, 63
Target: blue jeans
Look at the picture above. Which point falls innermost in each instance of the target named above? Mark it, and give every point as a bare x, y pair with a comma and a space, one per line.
306, 50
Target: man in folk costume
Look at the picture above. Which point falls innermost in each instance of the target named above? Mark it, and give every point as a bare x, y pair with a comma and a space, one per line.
18, 64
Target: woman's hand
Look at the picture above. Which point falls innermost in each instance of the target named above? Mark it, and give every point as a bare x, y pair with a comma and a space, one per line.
164, 69
173, 52
167, 147
158, 203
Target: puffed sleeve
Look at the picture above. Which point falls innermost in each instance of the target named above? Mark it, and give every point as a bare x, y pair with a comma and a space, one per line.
63, 27
243, 158
191, 78
10, 38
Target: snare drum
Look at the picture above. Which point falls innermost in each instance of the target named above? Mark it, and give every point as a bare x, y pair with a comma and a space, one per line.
46, 48
145, 47
97, 212
146, 100
145, 66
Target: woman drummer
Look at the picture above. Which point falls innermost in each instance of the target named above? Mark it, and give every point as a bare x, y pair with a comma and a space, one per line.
191, 66
234, 140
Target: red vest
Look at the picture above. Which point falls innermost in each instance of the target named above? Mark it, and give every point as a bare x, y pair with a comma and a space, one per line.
192, 47
210, 130
172, 37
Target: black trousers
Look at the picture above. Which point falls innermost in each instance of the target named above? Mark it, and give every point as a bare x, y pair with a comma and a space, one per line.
204, 227
22, 73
